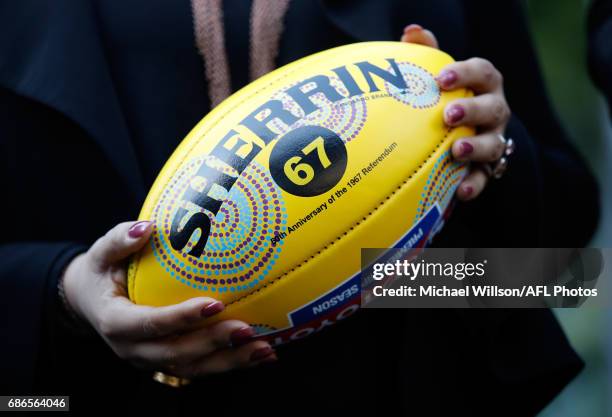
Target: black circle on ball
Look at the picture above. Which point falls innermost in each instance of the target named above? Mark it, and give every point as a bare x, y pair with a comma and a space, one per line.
308, 161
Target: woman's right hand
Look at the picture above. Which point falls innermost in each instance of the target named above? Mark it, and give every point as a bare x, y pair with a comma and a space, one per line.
157, 338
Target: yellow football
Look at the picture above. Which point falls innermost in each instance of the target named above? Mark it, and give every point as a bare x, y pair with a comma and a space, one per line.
266, 204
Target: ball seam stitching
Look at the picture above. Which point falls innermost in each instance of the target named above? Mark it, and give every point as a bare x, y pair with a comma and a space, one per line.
338, 238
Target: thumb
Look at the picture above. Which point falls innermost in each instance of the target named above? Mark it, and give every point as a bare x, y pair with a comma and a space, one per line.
120, 242
416, 34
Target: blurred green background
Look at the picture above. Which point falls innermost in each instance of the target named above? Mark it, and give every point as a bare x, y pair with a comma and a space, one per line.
559, 29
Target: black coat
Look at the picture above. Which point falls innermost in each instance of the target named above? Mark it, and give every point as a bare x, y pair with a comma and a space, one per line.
71, 169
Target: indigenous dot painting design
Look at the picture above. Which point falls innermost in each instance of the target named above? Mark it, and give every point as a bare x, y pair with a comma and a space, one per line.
238, 254
421, 90
345, 117
262, 329
441, 184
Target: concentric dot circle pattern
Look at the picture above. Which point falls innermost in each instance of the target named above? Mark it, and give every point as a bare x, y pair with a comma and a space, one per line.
344, 117
238, 254
441, 184
261, 329
421, 90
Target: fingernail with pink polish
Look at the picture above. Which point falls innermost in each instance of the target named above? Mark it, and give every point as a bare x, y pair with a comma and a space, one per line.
412, 28
138, 229
447, 78
468, 190
454, 114
261, 354
212, 309
466, 148
242, 336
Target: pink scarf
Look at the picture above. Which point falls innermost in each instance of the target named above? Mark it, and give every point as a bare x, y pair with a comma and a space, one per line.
266, 26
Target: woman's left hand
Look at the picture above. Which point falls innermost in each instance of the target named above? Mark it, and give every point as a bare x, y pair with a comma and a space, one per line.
487, 111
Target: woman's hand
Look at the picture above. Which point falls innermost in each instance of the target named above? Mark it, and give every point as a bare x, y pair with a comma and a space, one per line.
487, 111
158, 338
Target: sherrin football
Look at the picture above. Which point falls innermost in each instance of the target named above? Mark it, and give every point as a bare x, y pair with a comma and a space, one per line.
266, 204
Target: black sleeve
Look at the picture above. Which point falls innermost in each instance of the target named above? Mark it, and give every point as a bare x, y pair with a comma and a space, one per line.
600, 46
548, 198
28, 283
548, 185
32, 255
